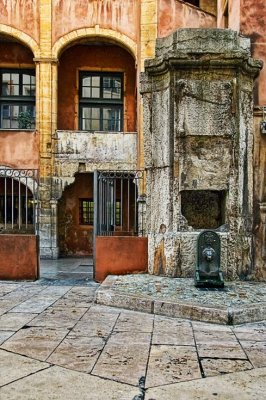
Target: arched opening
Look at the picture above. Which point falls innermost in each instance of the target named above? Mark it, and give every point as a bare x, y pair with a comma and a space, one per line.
75, 218
17, 204
97, 87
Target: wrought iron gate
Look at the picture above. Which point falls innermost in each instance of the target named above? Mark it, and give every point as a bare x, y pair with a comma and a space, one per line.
18, 200
116, 206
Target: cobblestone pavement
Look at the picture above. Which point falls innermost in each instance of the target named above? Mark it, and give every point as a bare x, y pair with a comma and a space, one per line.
56, 343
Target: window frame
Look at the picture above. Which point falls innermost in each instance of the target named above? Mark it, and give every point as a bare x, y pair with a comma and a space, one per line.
100, 102
20, 99
81, 211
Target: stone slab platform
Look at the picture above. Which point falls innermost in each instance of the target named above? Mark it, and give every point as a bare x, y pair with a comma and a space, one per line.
239, 302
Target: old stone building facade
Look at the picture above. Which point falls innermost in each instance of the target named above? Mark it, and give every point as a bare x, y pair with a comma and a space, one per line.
170, 88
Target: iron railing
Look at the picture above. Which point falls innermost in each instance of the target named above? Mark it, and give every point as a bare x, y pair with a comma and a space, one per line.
18, 200
116, 206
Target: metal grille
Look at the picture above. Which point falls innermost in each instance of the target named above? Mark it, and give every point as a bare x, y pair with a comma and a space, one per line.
18, 200
116, 210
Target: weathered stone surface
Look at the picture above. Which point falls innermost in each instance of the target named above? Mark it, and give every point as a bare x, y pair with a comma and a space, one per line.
205, 127
108, 298
66, 384
14, 321
171, 364
213, 367
191, 311
223, 349
256, 352
171, 331
128, 322
59, 318
37, 343
96, 148
78, 352
124, 357
4, 335
17, 367
249, 385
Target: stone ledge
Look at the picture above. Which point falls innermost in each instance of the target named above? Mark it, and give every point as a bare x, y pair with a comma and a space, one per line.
239, 302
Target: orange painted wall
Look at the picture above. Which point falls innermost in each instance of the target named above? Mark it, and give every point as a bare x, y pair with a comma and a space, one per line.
94, 58
23, 261
75, 239
253, 25
22, 15
118, 15
173, 14
18, 149
117, 255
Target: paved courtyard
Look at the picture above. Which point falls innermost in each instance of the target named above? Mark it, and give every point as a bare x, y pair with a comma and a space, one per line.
56, 343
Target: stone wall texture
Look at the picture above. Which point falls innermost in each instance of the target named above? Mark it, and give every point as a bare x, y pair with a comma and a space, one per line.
197, 93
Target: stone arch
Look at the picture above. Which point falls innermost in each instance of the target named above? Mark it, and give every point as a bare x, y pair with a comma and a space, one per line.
28, 181
96, 32
21, 37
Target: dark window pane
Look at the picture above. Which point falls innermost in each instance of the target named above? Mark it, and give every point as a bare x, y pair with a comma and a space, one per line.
111, 119
86, 212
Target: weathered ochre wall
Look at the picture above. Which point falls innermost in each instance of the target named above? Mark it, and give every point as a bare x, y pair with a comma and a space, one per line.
75, 239
19, 257
253, 25
173, 14
18, 149
118, 15
15, 55
116, 255
22, 15
94, 58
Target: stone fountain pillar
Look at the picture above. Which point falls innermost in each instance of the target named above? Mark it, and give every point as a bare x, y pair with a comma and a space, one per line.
198, 140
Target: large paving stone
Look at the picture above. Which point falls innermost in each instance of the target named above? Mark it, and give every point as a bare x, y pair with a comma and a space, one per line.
8, 287
4, 335
35, 342
221, 350
78, 352
124, 357
248, 385
171, 331
134, 322
211, 335
14, 366
213, 366
257, 332
256, 352
57, 383
170, 364
77, 297
55, 317
15, 321
95, 324
41, 301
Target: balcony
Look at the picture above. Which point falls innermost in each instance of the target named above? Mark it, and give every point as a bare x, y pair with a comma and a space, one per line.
97, 150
